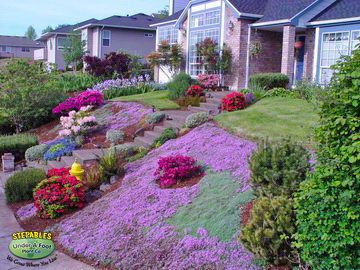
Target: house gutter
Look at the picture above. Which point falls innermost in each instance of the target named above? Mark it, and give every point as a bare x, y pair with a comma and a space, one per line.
247, 70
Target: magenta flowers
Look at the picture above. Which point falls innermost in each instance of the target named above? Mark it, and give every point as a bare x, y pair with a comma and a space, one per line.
86, 98
177, 168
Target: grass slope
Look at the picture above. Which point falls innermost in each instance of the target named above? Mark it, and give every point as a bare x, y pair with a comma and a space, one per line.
216, 208
159, 99
273, 118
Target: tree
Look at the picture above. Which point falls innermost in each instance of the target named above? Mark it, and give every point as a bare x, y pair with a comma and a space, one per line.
47, 29
163, 13
74, 50
31, 33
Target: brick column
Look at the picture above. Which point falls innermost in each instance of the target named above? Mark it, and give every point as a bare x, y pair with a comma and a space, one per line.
309, 54
288, 50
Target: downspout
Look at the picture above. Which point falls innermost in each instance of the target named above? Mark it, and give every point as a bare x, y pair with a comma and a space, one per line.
247, 72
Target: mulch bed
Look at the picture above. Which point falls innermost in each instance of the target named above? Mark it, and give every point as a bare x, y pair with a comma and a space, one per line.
246, 212
187, 183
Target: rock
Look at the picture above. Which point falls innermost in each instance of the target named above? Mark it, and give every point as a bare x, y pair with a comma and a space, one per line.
139, 132
92, 195
26, 212
113, 179
105, 187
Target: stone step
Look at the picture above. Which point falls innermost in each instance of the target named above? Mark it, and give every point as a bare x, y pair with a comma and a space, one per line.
159, 129
200, 109
143, 141
37, 165
213, 101
68, 161
87, 155
174, 124
179, 117
56, 164
211, 106
152, 134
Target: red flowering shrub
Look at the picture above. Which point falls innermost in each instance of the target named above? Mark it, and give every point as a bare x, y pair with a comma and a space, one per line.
58, 172
86, 98
175, 169
195, 91
233, 102
57, 194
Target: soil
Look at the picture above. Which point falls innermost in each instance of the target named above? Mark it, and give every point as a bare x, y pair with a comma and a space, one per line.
246, 212
187, 183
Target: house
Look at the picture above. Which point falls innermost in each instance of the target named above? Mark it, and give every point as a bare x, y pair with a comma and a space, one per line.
300, 38
55, 42
131, 34
18, 47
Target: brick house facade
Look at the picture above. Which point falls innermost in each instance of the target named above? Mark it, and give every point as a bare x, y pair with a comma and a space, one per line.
314, 24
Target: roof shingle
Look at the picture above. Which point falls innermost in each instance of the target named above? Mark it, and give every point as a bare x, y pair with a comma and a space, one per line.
340, 10
17, 41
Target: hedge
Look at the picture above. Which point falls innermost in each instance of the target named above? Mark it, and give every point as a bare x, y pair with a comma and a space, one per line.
17, 144
269, 80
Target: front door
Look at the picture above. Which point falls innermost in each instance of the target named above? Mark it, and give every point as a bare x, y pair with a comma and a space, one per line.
299, 58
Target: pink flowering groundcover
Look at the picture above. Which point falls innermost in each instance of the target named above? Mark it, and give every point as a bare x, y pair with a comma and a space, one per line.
128, 228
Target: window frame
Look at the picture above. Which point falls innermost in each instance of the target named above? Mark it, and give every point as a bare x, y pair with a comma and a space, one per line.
25, 49
170, 33
349, 50
58, 47
103, 38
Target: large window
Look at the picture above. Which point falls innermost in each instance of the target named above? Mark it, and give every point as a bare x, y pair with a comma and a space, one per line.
6, 49
169, 34
106, 36
334, 46
203, 24
61, 42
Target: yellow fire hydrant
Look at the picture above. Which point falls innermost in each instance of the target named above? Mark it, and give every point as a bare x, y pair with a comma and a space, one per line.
77, 170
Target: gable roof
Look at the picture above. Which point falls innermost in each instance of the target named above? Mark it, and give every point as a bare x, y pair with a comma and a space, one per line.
339, 10
17, 41
168, 19
136, 21
249, 6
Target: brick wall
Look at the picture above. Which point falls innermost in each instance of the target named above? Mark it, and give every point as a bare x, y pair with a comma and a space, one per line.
309, 54
288, 51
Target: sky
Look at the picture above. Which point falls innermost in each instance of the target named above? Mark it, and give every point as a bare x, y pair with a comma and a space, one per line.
17, 15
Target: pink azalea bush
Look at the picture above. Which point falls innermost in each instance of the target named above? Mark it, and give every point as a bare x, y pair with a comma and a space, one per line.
127, 227
175, 169
209, 80
86, 98
77, 123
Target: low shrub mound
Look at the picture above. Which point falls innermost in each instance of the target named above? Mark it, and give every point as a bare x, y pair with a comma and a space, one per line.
115, 136
278, 169
86, 98
196, 119
280, 92
195, 91
166, 135
17, 144
58, 194
174, 169
270, 229
19, 187
233, 102
155, 118
178, 86
269, 81
36, 153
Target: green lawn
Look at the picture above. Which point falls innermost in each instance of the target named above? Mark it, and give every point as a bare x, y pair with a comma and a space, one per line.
159, 99
273, 118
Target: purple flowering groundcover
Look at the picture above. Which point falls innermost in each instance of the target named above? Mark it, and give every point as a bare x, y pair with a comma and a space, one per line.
127, 227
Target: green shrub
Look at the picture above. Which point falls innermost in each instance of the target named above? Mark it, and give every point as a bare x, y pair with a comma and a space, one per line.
280, 92
166, 135
327, 205
28, 94
19, 187
158, 86
140, 153
108, 166
269, 80
115, 136
179, 84
278, 169
17, 144
75, 82
268, 234
115, 92
196, 119
310, 91
36, 152
124, 150
258, 91
155, 118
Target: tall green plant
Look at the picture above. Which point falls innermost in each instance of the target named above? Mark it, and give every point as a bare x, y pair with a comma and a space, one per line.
74, 50
328, 203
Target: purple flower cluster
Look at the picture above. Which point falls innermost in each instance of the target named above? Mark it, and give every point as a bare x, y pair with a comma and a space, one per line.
124, 114
127, 227
119, 83
86, 98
